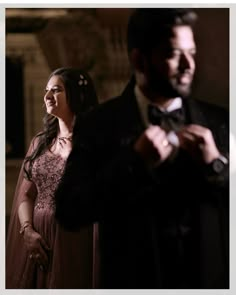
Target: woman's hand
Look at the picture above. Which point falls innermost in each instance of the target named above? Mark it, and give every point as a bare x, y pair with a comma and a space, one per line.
37, 247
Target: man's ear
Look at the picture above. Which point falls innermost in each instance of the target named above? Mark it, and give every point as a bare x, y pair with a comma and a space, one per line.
137, 60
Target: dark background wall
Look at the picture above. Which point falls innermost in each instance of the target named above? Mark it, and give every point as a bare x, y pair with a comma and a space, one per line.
212, 37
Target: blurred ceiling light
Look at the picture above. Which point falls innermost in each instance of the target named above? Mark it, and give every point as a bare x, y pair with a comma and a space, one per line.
36, 12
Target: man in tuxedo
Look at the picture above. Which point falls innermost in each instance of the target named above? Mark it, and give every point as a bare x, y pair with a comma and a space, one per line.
151, 168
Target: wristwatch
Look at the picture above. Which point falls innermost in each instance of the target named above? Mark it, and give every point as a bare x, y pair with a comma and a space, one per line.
218, 165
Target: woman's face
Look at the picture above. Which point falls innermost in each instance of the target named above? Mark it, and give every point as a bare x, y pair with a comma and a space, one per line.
55, 98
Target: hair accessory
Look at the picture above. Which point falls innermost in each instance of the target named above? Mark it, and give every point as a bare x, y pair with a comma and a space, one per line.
82, 80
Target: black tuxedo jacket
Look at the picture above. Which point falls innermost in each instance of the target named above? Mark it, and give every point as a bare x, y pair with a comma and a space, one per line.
161, 228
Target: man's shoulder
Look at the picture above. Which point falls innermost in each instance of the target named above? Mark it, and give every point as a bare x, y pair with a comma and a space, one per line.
107, 109
208, 106
117, 105
111, 103
102, 117
211, 111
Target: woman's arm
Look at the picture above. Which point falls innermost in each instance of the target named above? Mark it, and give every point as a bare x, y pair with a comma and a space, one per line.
25, 210
34, 242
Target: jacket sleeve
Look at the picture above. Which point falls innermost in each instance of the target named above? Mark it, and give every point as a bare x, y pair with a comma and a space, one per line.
99, 180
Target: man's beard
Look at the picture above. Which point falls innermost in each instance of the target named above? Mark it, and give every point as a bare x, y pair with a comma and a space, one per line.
169, 87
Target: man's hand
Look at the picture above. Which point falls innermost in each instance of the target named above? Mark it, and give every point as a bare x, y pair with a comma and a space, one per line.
199, 142
153, 145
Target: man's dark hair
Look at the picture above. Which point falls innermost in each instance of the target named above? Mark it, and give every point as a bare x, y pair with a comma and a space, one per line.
149, 26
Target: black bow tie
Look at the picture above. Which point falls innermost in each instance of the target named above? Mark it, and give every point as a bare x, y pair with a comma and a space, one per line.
174, 119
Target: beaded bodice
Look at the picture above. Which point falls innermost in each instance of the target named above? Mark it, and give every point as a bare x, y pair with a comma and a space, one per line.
46, 174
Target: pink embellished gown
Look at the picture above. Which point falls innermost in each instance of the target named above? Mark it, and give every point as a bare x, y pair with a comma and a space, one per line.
70, 257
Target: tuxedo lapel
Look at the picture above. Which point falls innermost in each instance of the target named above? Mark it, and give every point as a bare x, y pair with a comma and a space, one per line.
194, 114
212, 117
131, 124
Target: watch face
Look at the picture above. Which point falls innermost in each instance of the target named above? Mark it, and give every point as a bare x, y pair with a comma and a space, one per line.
218, 165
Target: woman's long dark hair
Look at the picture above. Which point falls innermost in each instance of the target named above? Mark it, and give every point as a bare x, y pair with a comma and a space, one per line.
81, 97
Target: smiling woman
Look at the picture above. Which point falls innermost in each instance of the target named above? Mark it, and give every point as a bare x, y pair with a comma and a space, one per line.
55, 99
46, 256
